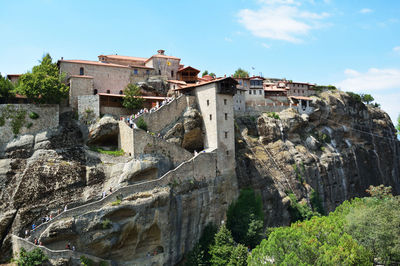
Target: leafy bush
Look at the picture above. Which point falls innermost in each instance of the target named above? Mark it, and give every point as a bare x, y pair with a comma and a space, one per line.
274, 115
29, 125
33, 115
106, 224
200, 255
299, 211
34, 257
356, 97
316, 202
321, 88
141, 124
86, 261
245, 218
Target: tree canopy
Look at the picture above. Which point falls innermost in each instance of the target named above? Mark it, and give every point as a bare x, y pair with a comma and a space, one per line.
241, 73
398, 124
205, 72
366, 98
131, 101
6, 88
245, 218
44, 84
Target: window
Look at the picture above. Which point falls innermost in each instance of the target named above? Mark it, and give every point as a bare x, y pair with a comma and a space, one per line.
227, 153
249, 91
121, 92
224, 101
81, 71
172, 73
147, 72
135, 71
108, 91
159, 72
226, 134
94, 91
259, 91
208, 102
226, 116
210, 117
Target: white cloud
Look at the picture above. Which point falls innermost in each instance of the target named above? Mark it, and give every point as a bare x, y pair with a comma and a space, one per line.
373, 80
227, 39
396, 49
366, 11
280, 20
265, 45
382, 84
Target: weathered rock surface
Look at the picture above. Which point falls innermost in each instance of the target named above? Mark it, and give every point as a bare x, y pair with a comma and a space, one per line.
105, 132
338, 151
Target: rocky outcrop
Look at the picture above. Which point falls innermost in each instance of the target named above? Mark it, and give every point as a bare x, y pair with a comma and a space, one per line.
104, 132
188, 131
337, 151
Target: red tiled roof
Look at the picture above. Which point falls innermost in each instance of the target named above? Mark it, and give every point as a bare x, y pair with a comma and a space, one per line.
202, 83
81, 76
122, 95
93, 63
14, 75
177, 81
123, 57
163, 56
188, 67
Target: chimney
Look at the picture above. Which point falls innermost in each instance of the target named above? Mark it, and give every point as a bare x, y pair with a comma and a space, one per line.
161, 52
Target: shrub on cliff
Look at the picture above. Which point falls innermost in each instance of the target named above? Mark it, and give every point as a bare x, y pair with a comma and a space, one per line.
141, 124
34, 257
44, 84
6, 89
245, 218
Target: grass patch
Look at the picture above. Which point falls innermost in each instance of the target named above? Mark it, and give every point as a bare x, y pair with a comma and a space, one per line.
116, 202
106, 224
100, 150
273, 115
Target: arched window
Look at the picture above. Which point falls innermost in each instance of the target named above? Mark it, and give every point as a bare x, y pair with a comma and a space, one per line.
172, 73
159, 72
121, 92
81, 71
108, 91
94, 91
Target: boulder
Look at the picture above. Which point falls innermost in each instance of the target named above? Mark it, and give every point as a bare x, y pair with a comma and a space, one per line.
193, 140
191, 119
175, 132
104, 133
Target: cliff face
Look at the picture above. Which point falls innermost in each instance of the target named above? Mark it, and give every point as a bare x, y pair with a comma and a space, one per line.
337, 151
154, 215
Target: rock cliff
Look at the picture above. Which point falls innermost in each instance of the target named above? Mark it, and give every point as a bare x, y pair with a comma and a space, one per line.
333, 154
153, 213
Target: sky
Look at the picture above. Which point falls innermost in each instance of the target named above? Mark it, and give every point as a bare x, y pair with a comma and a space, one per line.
354, 45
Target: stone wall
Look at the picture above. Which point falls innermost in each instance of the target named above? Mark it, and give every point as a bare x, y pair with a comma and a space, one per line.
89, 102
105, 77
125, 138
144, 143
48, 118
79, 85
167, 114
115, 111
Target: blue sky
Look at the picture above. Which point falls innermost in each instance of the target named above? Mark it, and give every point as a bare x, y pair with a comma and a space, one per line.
352, 44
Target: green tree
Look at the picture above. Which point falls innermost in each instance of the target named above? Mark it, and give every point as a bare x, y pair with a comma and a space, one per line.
241, 73
31, 258
196, 256
245, 218
356, 97
205, 72
367, 98
6, 88
375, 223
131, 99
223, 247
200, 254
238, 256
44, 84
212, 74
